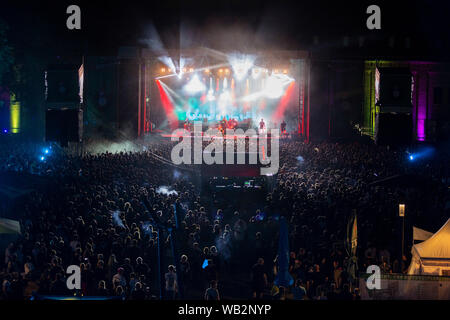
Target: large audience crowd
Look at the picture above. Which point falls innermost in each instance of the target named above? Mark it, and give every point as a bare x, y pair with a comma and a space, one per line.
94, 217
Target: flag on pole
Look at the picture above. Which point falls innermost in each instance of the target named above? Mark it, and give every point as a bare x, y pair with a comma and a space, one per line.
352, 234
81, 81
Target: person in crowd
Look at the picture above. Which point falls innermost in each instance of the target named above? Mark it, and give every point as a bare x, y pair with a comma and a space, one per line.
299, 291
171, 283
95, 219
259, 279
119, 279
212, 293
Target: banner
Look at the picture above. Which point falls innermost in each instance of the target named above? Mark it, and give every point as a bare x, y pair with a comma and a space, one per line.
81, 81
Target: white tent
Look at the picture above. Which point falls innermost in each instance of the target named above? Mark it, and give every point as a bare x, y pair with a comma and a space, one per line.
8, 226
420, 234
432, 257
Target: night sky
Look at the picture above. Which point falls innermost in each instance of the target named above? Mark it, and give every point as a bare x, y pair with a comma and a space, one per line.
219, 24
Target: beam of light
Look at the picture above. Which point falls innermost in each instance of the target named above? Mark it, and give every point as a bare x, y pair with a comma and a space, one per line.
167, 105
169, 63
241, 63
116, 218
194, 85
274, 87
284, 102
252, 97
256, 73
174, 97
247, 92
210, 96
420, 153
262, 104
14, 115
233, 93
224, 102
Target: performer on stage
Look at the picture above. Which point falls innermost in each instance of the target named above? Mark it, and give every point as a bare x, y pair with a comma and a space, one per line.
283, 128
232, 123
223, 125
187, 125
262, 125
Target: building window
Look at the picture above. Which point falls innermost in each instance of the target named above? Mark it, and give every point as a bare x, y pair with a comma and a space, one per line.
437, 95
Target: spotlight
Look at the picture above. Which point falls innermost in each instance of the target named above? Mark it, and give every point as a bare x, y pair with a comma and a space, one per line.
220, 70
184, 70
210, 95
5, 130
255, 73
227, 71
206, 70
191, 69
241, 64
194, 85
274, 88
42, 158
285, 71
169, 70
275, 71
46, 151
275, 84
411, 157
163, 70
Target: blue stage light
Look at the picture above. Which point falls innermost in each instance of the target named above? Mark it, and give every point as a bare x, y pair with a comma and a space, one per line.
42, 158
411, 157
46, 151
5, 130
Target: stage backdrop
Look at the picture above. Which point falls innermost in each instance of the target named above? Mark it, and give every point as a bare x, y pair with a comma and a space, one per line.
210, 95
